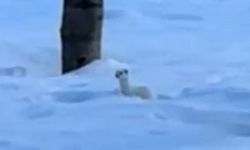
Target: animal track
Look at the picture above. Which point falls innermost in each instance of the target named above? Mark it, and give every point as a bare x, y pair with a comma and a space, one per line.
74, 96
15, 71
182, 17
5, 144
229, 93
242, 130
114, 14
38, 111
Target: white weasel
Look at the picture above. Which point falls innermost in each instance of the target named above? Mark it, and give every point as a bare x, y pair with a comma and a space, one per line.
131, 90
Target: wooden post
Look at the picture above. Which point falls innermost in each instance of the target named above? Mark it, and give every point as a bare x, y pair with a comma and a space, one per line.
81, 33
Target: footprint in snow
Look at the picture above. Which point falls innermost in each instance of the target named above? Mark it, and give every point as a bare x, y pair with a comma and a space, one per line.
38, 111
15, 71
227, 93
78, 96
79, 85
5, 144
163, 97
114, 14
8, 145
242, 130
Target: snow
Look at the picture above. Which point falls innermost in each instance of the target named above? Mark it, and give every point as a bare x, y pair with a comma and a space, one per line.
193, 54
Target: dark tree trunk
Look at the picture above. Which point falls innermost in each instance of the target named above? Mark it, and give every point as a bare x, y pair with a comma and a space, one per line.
81, 33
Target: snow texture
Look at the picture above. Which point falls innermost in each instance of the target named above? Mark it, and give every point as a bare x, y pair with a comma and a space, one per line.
193, 54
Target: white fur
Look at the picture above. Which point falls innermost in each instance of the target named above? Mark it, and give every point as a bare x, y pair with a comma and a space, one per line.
130, 90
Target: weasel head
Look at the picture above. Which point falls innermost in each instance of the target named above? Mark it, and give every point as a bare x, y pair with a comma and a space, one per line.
121, 74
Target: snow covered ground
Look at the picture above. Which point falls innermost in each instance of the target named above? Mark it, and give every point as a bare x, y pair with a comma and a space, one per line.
194, 51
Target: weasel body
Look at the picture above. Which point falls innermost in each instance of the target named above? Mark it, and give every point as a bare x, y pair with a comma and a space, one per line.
130, 90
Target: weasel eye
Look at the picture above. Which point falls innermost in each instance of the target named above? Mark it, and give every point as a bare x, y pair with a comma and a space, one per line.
116, 75
125, 71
